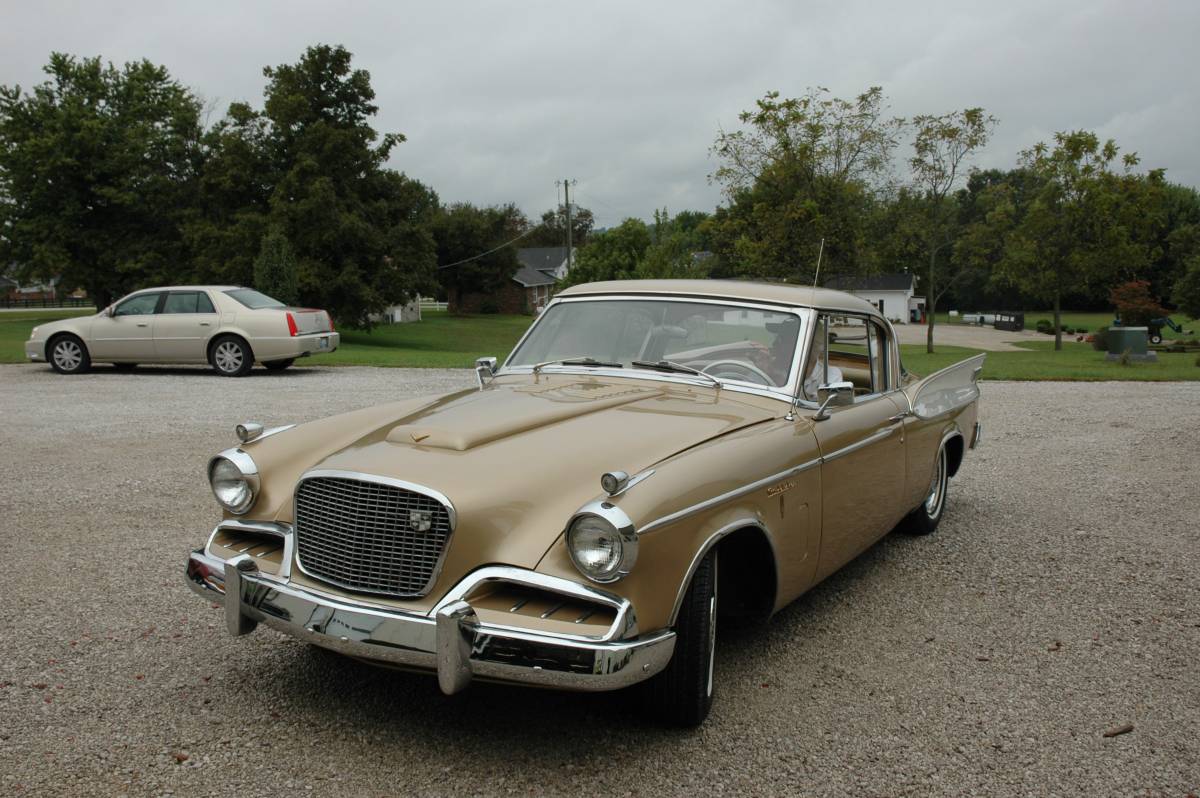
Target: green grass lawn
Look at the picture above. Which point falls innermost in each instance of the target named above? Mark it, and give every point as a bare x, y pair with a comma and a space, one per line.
444, 341
15, 326
1039, 361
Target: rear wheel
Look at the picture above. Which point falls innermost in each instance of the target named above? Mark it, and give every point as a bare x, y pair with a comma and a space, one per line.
682, 694
1156, 338
69, 355
926, 517
278, 365
231, 357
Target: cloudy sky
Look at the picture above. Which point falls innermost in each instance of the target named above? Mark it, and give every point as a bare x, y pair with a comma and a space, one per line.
500, 100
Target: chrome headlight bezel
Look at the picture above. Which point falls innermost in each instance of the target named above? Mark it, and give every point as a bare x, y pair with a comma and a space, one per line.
249, 474
623, 535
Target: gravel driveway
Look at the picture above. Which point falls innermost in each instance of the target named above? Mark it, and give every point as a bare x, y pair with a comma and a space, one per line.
1060, 599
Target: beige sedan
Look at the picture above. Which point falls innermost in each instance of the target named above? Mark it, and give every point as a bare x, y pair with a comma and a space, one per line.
229, 327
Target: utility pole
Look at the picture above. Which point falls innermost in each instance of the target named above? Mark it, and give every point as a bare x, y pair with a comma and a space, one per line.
567, 183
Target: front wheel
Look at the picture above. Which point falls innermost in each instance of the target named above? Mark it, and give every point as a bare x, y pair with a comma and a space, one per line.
1156, 338
682, 694
69, 355
231, 357
928, 514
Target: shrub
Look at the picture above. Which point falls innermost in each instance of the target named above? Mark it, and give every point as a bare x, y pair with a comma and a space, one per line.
1100, 339
1068, 330
1044, 326
1134, 303
1081, 329
489, 306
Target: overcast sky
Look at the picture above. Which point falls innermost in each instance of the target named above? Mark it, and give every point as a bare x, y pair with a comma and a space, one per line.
500, 100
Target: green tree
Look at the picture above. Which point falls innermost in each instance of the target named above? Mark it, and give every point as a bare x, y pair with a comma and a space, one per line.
552, 231
941, 147
474, 253
1076, 233
1187, 290
360, 231
801, 171
97, 167
275, 269
614, 254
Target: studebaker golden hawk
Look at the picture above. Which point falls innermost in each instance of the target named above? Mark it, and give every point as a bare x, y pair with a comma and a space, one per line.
653, 455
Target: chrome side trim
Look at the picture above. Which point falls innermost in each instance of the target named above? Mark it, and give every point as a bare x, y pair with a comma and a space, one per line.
635, 479
728, 496
873, 438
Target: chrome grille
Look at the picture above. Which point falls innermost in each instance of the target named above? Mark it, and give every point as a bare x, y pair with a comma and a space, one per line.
365, 535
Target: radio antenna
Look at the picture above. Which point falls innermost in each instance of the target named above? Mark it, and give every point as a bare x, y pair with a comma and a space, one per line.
820, 252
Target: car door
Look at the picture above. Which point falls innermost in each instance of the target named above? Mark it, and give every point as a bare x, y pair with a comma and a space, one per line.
183, 326
862, 444
128, 333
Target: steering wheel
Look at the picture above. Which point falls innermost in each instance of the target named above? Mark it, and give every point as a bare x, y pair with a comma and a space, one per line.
740, 371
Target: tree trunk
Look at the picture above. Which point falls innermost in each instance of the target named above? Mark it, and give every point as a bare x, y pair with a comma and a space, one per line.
930, 303
1057, 322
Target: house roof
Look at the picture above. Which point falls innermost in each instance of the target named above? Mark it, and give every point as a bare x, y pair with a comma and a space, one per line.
538, 265
900, 281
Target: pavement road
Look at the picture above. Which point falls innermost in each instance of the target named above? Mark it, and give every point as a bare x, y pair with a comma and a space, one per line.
1058, 601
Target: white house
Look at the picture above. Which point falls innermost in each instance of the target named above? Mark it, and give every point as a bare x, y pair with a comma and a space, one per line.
894, 294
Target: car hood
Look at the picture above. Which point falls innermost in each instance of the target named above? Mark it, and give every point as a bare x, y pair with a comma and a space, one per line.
518, 458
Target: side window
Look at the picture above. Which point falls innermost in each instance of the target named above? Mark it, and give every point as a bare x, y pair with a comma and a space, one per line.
846, 349
140, 305
188, 302
879, 356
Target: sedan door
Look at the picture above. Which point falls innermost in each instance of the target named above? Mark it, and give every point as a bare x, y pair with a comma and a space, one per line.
128, 334
862, 444
183, 327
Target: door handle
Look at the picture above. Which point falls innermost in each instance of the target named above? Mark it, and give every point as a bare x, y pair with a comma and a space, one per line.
203, 324
143, 324
900, 416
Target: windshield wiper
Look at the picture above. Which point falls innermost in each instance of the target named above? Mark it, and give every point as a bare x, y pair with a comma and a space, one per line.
679, 368
591, 362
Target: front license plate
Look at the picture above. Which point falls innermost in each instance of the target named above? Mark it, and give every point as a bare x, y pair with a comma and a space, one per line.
323, 343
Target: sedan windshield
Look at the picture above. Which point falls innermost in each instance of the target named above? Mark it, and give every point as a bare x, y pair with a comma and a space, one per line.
253, 299
729, 342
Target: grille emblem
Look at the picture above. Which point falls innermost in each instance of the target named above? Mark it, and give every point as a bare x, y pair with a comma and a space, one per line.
420, 520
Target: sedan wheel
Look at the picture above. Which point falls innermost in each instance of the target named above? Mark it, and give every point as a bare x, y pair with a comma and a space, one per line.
682, 694
231, 357
926, 517
68, 355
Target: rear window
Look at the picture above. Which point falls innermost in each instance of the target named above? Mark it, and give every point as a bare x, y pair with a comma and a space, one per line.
253, 299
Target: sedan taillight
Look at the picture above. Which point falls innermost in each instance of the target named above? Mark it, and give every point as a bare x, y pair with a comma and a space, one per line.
329, 316
293, 330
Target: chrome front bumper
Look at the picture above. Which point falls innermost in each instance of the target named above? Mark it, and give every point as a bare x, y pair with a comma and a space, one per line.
449, 640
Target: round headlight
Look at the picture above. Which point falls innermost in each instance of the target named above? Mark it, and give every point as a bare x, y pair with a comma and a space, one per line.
600, 549
233, 486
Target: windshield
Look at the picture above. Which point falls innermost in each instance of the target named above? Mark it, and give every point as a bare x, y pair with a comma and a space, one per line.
729, 342
253, 299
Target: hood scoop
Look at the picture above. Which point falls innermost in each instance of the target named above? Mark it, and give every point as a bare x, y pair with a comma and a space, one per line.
512, 411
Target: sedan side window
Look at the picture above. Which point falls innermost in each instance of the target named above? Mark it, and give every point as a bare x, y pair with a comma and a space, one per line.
846, 349
188, 302
140, 305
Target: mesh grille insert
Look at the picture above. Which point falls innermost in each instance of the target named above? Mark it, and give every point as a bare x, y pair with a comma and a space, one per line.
369, 536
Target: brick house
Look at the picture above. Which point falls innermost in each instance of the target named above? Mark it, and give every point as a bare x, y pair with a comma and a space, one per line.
529, 289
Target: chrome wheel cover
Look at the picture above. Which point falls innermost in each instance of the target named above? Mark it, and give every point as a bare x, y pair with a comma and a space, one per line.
937, 487
67, 355
228, 356
712, 628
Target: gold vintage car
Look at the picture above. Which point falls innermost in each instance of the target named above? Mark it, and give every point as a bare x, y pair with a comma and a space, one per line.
227, 326
648, 448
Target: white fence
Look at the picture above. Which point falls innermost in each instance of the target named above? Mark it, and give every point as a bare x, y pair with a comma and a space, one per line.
432, 304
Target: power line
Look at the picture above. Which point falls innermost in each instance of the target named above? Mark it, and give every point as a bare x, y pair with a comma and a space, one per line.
489, 252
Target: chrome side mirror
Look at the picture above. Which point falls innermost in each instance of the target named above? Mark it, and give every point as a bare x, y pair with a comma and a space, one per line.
835, 394
485, 370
